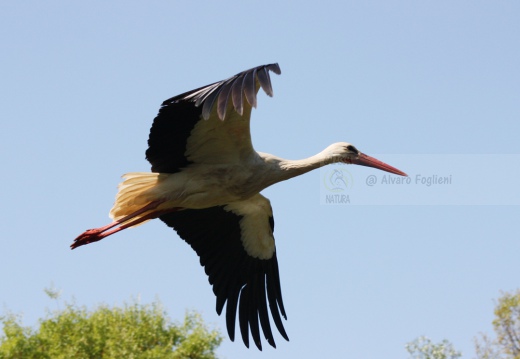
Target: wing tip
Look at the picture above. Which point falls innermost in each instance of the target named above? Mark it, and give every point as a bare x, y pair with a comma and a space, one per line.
231, 90
274, 67
208, 95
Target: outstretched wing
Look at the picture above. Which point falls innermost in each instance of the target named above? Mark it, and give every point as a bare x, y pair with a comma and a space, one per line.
235, 244
209, 124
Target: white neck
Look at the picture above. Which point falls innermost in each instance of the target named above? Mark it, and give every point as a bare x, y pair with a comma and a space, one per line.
280, 169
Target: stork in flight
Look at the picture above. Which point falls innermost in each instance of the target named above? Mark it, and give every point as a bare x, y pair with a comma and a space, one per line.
205, 183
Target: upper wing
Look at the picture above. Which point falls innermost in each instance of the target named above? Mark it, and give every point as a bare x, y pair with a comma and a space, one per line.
209, 124
236, 247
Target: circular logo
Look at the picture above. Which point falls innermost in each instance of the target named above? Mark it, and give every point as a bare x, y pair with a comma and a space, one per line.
338, 180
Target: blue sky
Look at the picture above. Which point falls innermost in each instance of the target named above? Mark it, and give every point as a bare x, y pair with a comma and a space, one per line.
432, 88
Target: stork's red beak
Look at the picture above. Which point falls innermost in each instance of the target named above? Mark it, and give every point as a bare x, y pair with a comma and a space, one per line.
365, 160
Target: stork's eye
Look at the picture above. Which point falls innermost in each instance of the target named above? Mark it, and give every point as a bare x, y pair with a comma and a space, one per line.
352, 149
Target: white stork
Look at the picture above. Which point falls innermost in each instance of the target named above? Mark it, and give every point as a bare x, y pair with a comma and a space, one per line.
205, 183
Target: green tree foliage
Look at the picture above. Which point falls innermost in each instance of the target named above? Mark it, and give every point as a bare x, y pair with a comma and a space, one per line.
133, 331
507, 329
423, 348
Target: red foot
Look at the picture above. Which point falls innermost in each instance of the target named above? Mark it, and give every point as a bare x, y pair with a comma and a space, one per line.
97, 234
89, 236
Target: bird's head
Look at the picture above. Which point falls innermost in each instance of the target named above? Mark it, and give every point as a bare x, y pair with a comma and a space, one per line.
347, 153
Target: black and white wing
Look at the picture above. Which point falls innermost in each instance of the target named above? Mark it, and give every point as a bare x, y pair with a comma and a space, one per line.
209, 124
236, 246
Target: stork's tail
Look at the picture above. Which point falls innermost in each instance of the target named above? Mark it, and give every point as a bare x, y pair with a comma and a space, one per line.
134, 193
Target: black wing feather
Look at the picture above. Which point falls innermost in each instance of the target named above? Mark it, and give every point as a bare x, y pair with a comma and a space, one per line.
237, 95
223, 99
169, 135
250, 88
265, 81
236, 277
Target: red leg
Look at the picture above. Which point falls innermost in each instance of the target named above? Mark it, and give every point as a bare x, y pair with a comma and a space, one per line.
97, 234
